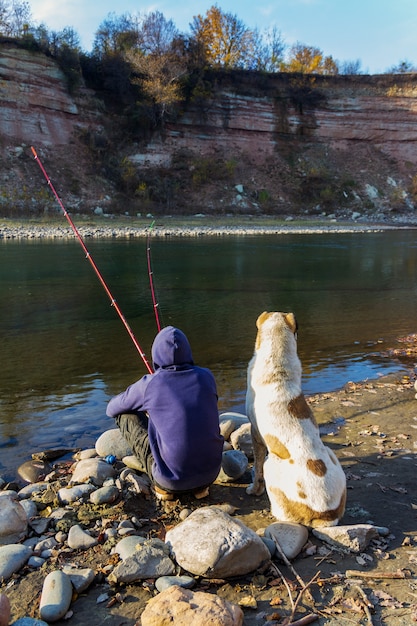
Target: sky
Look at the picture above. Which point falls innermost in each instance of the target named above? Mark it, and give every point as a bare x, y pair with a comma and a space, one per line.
378, 33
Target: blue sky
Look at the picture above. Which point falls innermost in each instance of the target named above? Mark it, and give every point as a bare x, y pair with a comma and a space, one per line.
380, 33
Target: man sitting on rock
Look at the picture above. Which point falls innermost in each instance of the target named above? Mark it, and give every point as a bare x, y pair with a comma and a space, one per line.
170, 419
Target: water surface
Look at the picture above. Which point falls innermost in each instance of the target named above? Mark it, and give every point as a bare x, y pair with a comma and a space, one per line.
65, 351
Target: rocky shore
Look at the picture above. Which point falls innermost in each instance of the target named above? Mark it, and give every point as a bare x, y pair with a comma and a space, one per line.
85, 541
194, 226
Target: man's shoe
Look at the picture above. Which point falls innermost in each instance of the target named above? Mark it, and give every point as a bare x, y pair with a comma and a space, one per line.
201, 493
161, 494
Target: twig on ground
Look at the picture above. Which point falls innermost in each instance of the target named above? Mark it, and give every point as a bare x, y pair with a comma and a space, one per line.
289, 565
366, 602
352, 573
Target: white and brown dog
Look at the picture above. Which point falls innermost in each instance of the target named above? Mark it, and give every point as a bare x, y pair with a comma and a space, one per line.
304, 479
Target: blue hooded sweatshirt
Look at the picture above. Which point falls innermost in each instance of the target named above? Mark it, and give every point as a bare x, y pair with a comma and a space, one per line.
180, 399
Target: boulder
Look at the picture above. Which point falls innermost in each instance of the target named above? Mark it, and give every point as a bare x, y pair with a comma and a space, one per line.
13, 520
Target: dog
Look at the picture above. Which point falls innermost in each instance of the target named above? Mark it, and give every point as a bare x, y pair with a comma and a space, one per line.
304, 480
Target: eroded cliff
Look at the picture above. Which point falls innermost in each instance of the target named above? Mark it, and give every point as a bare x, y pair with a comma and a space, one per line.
254, 143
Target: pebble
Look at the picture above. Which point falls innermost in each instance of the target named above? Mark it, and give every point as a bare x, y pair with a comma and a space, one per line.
36, 562
94, 470
151, 560
30, 490
56, 596
164, 582
4, 609
104, 495
241, 439
12, 558
45, 544
13, 520
79, 539
291, 537
81, 578
30, 508
127, 546
234, 465
67, 495
33, 471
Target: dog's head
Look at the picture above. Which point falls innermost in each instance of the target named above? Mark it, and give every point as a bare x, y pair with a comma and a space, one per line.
275, 326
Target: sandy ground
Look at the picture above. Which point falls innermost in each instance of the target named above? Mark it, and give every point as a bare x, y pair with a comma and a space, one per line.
372, 427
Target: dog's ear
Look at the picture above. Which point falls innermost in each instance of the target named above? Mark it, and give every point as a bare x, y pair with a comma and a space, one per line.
291, 322
263, 316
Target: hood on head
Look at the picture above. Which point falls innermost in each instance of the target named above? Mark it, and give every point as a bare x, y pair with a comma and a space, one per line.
171, 347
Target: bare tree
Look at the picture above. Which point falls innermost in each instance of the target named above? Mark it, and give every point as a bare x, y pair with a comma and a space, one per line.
15, 18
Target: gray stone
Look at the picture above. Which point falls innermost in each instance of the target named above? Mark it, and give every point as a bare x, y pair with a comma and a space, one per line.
29, 621
12, 558
45, 544
79, 539
234, 465
30, 508
354, 538
105, 495
291, 537
211, 543
56, 596
113, 442
13, 520
30, 490
133, 462
4, 610
95, 471
39, 524
164, 582
127, 546
81, 578
66, 495
36, 562
150, 560
33, 471
90, 453
241, 439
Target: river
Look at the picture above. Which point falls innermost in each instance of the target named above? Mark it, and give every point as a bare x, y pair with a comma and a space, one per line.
65, 351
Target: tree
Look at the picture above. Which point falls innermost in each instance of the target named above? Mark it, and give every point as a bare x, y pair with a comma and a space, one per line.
403, 67
15, 18
309, 60
225, 39
350, 67
116, 35
267, 51
157, 34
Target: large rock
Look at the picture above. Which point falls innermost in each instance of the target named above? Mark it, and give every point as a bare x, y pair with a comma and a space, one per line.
113, 442
13, 520
182, 607
354, 538
211, 543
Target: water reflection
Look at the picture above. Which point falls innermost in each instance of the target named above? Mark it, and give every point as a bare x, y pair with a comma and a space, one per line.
65, 352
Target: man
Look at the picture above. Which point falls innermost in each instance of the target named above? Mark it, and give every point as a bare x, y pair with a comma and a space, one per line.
170, 419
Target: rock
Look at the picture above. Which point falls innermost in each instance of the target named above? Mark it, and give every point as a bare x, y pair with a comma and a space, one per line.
133, 462
13, 520
30, 508
105, 495
127, 546
227, 426
234, 465
241, 439
113, 442
81, 579
12, 558
354, 538
138, 484
66, 495
164, 582
39, 524
79, 539
56, 596
30, 490
4, 609
45, 544
90, 453
29, 621
211, 543
179, 607
95, 471
289, 536
230, 421
33, 471
150, 560
35, 562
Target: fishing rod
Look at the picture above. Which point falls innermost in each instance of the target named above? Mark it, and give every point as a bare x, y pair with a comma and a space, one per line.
94, 266
150, 274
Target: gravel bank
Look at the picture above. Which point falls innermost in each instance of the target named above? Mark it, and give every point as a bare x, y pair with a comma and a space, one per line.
52, 231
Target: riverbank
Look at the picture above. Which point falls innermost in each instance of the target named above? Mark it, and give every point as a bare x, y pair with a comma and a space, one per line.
192, 226
371, 426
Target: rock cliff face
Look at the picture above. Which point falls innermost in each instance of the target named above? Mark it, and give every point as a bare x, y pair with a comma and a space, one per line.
364, 125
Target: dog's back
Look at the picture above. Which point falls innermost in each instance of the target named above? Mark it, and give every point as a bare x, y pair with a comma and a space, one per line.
303, 478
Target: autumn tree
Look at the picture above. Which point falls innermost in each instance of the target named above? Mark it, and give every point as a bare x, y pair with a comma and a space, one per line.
224, 38
309, 60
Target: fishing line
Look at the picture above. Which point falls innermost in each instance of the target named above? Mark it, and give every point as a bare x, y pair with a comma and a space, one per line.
94, 266
151, 282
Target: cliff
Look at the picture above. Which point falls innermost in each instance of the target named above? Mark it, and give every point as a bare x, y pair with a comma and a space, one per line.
254, 143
